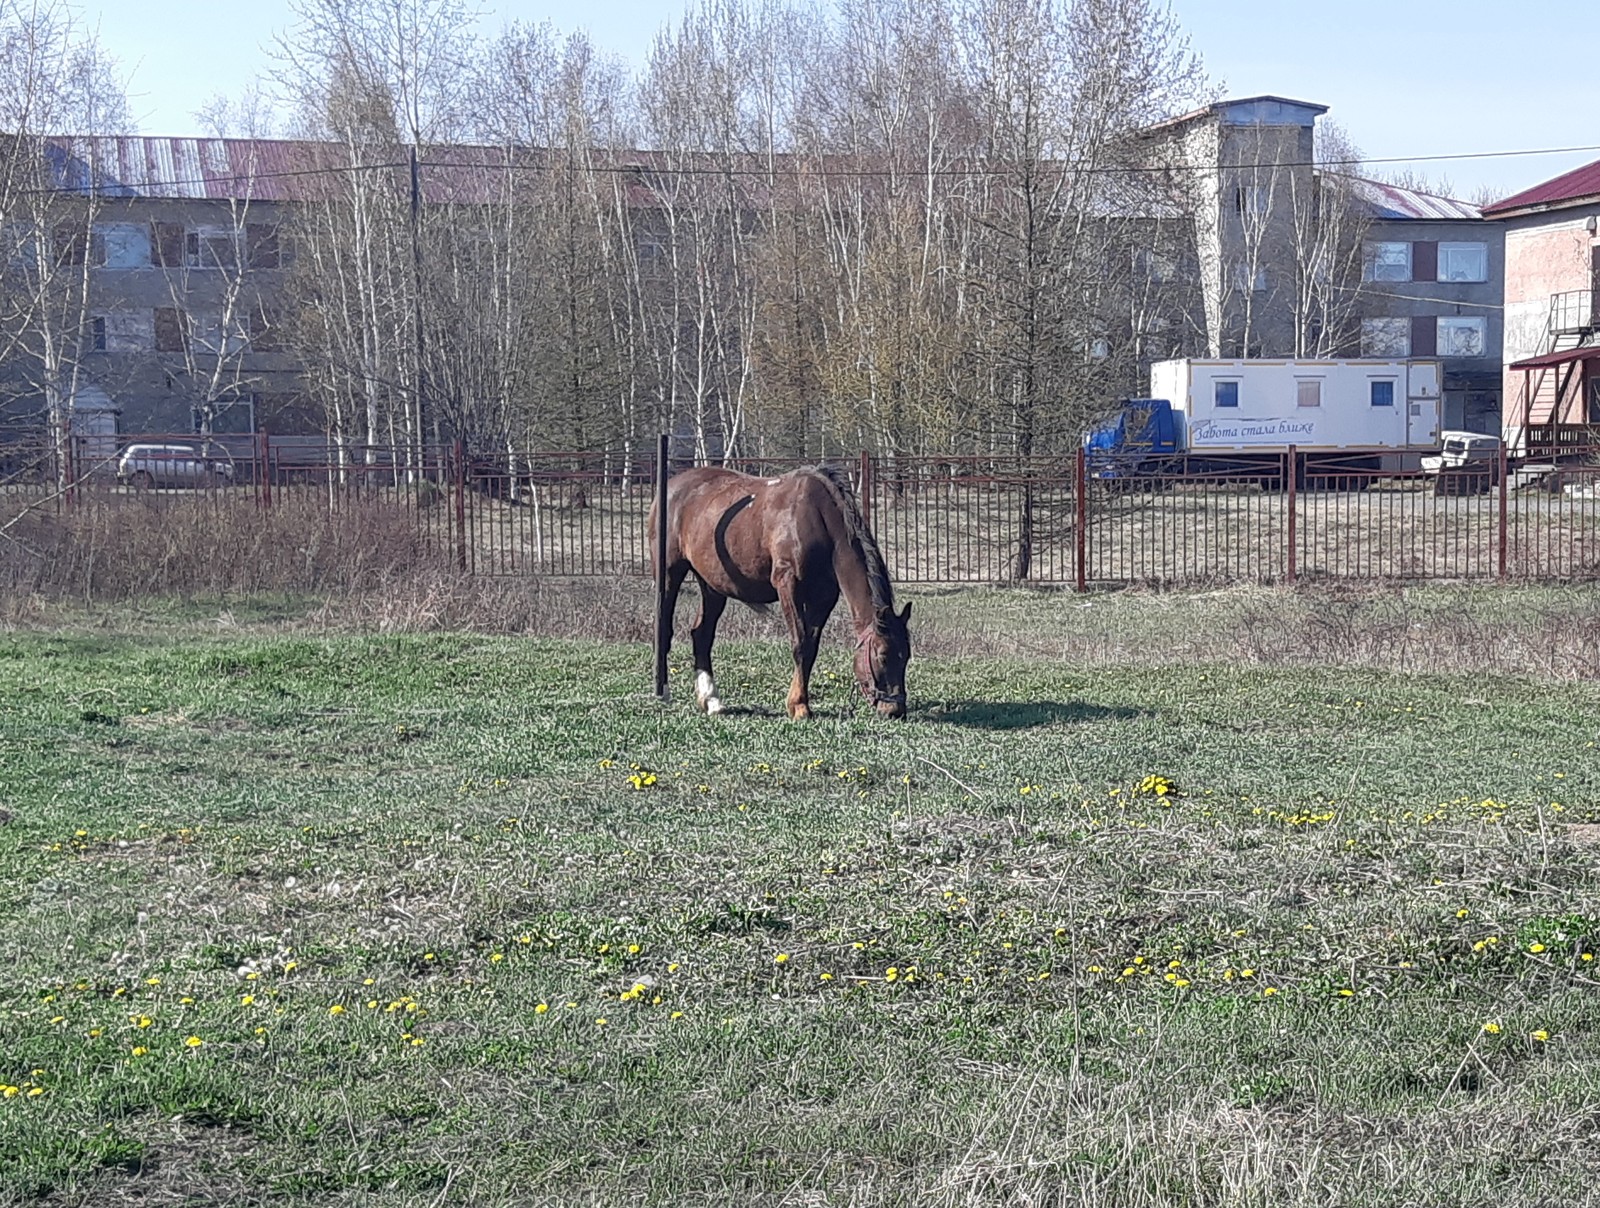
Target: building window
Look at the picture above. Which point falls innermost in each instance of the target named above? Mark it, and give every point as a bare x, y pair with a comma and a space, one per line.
1246, 281
1383, 394
124, 244
1250, 199
1459, 337
211, 247
225, 416
208, 334
263, 248
123, 331
1385, 337
264, 329
1308, 392
1227, 394
73, 245
1388, 262
1154, 266
1463, 262
169, 327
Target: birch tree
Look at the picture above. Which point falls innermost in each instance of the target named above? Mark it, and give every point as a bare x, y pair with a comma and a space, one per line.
55, 80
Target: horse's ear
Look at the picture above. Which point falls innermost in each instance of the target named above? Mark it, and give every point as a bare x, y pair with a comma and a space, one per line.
905, 613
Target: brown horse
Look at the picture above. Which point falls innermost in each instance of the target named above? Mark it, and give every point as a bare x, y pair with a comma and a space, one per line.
799, 540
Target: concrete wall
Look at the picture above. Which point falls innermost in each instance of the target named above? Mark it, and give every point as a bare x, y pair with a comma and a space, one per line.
158, 390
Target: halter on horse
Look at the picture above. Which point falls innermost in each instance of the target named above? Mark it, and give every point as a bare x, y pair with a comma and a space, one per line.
800, 541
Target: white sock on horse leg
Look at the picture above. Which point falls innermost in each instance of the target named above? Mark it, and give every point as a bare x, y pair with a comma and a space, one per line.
705, 691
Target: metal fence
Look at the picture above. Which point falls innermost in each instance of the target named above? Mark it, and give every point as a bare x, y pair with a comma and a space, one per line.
938, 520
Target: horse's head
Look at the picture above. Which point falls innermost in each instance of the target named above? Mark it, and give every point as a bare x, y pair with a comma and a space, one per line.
882, 653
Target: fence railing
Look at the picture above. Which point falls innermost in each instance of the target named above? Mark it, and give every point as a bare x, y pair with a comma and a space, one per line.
1047, 520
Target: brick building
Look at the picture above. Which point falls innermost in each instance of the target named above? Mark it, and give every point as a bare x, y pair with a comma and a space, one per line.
1552, 304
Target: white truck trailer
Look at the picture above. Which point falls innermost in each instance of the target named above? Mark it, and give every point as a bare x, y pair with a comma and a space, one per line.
1240, 418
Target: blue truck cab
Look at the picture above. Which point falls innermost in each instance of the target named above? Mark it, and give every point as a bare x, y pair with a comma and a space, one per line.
1140, 437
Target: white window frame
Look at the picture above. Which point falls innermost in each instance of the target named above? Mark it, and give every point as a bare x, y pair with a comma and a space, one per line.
1394, 391
1386, 337
1448, 342
1475, 274
1308, 392
207, 337
1216, 393
1387, 260
213, 247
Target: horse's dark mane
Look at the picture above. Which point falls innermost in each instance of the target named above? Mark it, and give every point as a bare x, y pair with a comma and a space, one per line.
856, 525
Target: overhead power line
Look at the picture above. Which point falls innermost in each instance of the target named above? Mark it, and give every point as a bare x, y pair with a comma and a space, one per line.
815, 165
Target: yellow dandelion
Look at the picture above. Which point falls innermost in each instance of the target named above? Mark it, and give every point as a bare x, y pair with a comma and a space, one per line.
1535, 947
1269, 992
141, 1021
246, 999
601, 1022
336, 1009
780, 958
1491, 1027
35, 1092
676, 1015
139, 1050
193, 1042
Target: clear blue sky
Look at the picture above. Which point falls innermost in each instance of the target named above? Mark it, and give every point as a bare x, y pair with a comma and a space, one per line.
1403, 77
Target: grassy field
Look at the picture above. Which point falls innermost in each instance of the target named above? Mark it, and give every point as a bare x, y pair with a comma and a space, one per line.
416, 920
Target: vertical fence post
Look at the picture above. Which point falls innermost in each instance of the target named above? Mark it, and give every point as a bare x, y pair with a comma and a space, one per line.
1504, 519
69, 476
659, 557
266, 470
1080, 547
461, 506
1290, 467
866, 487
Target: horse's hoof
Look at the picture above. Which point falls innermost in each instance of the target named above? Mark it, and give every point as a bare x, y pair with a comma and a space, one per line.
712, 705
799, 712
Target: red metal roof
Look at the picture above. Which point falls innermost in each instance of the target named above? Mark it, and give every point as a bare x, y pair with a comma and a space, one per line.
1589, 352
1576, 185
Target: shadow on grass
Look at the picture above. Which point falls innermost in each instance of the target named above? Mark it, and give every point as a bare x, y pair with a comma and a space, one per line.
1022, 715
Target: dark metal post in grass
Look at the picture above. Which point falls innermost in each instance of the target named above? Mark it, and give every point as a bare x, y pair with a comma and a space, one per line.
659, 557
1080, 490
1504, 492
1289, 475
461, 506
866, 487
266, 470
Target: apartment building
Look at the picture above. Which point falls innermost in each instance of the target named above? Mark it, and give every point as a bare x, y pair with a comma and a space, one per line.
1432, 272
